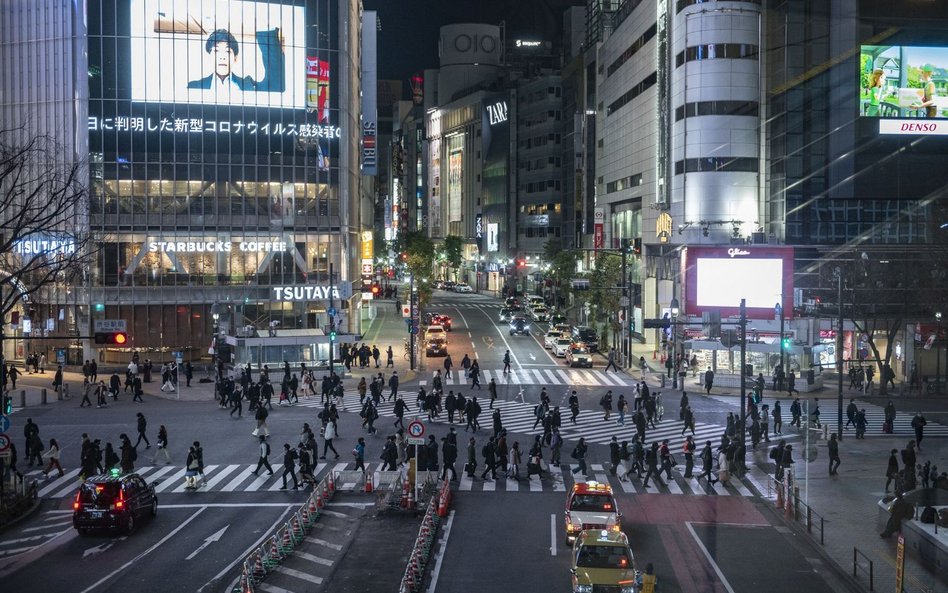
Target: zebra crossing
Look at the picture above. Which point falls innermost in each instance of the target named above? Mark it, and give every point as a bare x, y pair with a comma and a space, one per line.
239, 478
875, 417
548, 376
485, 305
518, 418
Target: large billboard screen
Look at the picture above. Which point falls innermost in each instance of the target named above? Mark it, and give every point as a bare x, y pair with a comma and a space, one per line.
717, 278
899, 81
218, 52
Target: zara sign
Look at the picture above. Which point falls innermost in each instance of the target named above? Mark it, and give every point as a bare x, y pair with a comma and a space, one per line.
497, 113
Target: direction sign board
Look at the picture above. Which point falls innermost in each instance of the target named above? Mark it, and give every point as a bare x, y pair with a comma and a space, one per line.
5, 441
414, 441
4, 423
110, 325
416, 429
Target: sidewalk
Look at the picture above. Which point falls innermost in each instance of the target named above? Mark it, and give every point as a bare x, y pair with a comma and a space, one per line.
33, 385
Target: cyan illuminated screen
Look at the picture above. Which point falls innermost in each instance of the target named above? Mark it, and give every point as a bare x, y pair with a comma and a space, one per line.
218, 52
723, 282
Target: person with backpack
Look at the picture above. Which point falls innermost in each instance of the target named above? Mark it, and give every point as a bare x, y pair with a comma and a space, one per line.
605, 402
359, 453
918, 423
264, 458
289, 466
796, 412
191, 469
776, 455
261, 417
489, 453
573, 407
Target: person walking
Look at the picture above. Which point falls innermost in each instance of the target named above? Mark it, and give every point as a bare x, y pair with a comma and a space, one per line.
708, 380
393, 385
851, 410
30, 429
606, 404
688, 449
192, 465
688, 416
475, 375
111, 458
707, 463
833, 446
507, 362
262, 430
579, 454
162, 446
573, 407
389, 358
449, 456
489, 452
791, 383
142, 426
51, 456
129, 455
556, 446
400, 408
264, 456
289, 466
328, 435
615, 456
918, 423
778, 418
86, 389
651, 465
861, 424
892, 469
516, 458
796, 413
359, 453
612, 361
492, 390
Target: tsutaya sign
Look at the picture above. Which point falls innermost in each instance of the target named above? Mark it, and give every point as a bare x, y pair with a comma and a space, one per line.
309, 292
209, 246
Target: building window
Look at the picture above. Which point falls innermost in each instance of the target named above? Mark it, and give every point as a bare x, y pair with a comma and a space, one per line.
683, 4
717, 165
699, 108
713, 51
632, 93
624, 183
630, 51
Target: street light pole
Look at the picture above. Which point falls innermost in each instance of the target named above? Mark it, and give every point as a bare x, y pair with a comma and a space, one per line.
332, 321
412, 297
743, 413
675, 310
839, 355
778, 309
625, 302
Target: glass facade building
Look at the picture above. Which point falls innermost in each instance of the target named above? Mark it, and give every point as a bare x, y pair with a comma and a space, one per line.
220, 139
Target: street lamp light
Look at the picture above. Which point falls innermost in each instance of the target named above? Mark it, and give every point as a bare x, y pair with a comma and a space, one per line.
778, 311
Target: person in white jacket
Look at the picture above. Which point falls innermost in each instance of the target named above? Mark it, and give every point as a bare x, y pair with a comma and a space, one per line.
328, 435
51, 456
513, 465
724, 468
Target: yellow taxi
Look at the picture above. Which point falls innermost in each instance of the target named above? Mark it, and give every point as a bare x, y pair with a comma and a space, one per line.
602, 561
591, 505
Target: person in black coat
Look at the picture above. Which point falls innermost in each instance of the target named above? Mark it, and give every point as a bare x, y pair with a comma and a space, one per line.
289, 466
490, 460
449, 454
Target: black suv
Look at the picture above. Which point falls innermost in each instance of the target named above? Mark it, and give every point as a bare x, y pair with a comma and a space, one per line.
113, 501
582, 333
519, 326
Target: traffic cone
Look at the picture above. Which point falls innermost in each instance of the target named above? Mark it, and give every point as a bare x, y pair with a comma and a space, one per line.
287, 543
259, 570
313, 508
275, 555
410, 504
405, 491
368, 483
408, 581
332, 483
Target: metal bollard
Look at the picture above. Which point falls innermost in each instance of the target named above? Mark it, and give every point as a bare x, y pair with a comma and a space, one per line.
59, 393
22, 398
43, 396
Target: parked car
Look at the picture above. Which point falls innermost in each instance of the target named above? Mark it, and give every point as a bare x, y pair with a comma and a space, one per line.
519, 326
587, 335
449, 284
562, 346
113, 501
578, 355
462, 287
439, 284
549, 340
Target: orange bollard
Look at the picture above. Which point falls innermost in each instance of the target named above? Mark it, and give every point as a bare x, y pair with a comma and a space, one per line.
654, 354
332, 483
368, 483
313, 509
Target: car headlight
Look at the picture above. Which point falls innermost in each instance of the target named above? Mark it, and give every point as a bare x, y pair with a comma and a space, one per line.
627, 589
584, 589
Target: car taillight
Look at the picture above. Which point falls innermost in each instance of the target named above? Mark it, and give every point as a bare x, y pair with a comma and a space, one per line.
76, 505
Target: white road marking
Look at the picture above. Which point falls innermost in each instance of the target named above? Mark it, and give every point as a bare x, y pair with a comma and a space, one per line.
717, 569
268, 588
322, 542
312, 558
233, 484
216, 536
72, 475
553, 534
439, 556
334, 513
47, 526
299, 574
265, 534
158, 544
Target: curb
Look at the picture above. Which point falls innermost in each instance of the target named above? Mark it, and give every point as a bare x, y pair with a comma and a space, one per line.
28, 514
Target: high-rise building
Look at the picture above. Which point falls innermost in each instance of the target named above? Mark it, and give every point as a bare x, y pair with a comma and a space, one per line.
223, 155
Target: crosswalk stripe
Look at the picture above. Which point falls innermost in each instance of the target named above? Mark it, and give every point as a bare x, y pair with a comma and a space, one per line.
219, 476
466, 483
233, 484
171, 480
59, 482
673, 487
181, 487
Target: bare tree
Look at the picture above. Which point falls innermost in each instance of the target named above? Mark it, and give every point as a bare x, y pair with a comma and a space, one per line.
45, 239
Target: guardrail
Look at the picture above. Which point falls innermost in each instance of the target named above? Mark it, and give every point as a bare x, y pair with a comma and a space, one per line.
868, 565
418, 561
788, 499
269, 555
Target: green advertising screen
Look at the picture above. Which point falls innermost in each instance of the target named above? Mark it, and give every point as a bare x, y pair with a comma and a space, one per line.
903, 81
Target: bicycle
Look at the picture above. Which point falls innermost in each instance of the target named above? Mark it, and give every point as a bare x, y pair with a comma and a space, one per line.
407, 350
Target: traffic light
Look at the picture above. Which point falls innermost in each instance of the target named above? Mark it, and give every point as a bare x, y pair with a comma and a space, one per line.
99, 307
7, 405
786, 343
404, 256
376, 289
521, 263
637, 246
115, 338
332, 335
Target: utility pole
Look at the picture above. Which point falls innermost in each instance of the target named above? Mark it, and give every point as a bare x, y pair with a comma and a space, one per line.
332, 320
743, 414
413, 328
626, 244
839, 354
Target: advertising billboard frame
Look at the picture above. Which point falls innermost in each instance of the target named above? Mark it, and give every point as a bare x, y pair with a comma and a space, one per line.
689, 275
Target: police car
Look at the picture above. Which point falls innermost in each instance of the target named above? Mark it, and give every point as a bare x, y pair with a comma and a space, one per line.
591, 505
602, 561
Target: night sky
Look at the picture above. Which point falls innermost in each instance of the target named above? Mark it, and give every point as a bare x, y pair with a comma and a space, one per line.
408, 41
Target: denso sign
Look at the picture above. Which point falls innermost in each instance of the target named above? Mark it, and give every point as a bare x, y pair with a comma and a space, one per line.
915, 127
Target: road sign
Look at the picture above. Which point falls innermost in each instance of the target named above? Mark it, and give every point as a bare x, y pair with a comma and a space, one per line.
624, 301
110, 325
61, 356
406, 311
331, 311
5, 440
416, 429
4, 423
414, 441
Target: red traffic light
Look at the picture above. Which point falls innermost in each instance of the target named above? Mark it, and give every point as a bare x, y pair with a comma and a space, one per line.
376, 290
117, 338
521, 263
